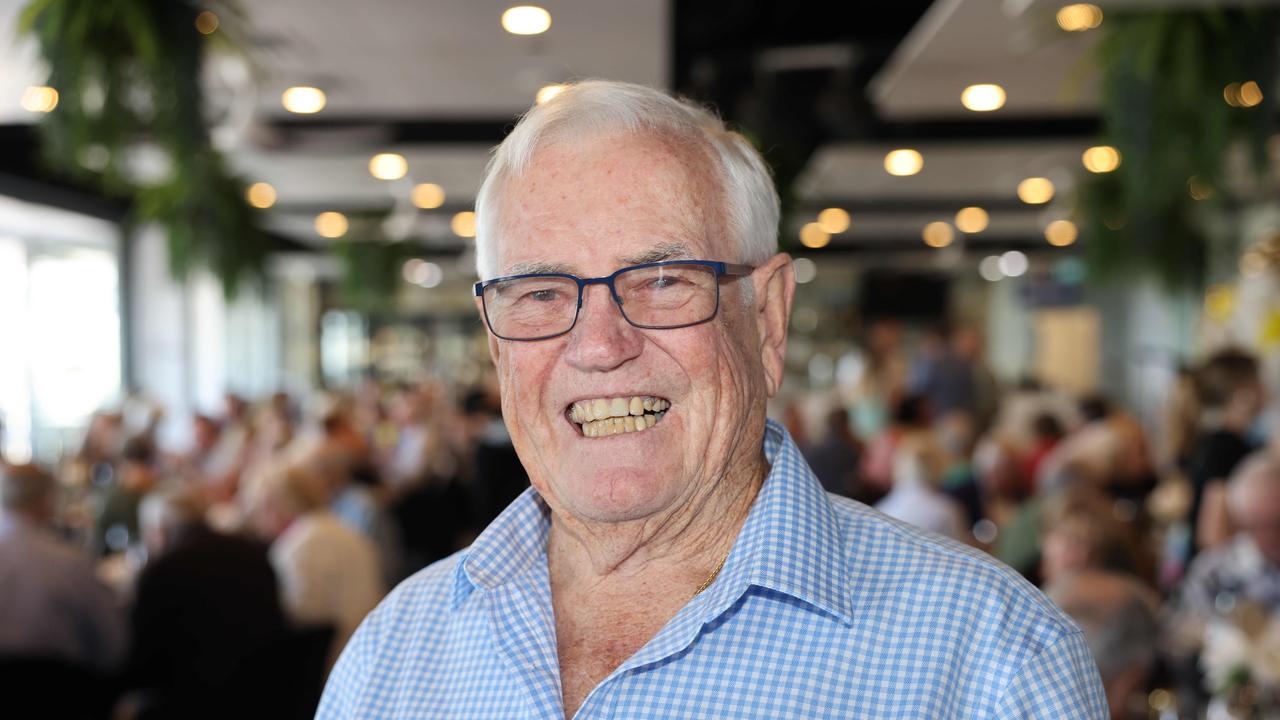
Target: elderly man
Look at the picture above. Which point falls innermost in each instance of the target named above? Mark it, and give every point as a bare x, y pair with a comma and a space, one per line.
1243, 573
675, 556
51, 603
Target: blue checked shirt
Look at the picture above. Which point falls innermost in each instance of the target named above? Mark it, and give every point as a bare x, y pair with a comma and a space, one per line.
824, 609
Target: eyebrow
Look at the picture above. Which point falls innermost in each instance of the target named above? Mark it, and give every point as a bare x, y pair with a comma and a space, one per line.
669, 250
660, 252
539, 268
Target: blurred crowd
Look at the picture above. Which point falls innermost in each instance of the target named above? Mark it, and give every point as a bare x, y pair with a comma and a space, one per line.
222, 578
1161, 539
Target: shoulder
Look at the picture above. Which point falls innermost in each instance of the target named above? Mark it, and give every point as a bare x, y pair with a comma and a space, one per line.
945, 582
423, 601
45, 552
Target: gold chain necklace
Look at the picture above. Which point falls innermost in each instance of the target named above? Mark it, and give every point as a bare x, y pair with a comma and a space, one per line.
712, 577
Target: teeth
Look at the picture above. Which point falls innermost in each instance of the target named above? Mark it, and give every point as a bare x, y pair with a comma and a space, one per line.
613, 416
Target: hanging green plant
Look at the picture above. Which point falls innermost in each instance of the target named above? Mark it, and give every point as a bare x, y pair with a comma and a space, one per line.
127, 73
372, 265
1172, 105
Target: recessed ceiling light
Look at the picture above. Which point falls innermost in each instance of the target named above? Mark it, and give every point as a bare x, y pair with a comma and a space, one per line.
39, 98
464, 224
331, 224
1101, 159
261, 195
303, 100
1079, 17
983, 98
904, 161
813, 236
1250, 94
938, 234
427, 196
972, 220
1035, 191
834, 220
388, 166
526, 20
1061, 233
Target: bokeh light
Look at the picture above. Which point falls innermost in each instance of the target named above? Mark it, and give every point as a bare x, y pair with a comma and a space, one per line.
903, 162
1035, 190
983, 98
526, 20
972, 220
261, 195
834, 220
331, 224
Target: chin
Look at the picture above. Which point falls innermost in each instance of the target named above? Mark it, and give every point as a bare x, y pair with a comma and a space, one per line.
616, 495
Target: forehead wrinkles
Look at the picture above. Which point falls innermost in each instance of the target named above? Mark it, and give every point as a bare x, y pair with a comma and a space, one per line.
671, 180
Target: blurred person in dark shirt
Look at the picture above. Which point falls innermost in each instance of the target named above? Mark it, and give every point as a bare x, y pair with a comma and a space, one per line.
956, 434
1118, 615
116, 525
835, 459
1231, 397
209, 633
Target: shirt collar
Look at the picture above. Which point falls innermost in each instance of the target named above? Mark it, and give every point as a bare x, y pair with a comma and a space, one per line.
791, 542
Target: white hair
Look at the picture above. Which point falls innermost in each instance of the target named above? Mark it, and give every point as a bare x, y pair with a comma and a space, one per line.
600, 107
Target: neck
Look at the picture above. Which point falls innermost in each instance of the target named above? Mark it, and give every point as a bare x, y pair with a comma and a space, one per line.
683, 544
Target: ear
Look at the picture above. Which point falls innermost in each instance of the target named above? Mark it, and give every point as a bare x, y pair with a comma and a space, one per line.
494, 348
775, 286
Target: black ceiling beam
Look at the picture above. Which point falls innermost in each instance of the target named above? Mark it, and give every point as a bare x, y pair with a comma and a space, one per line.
362, 210
491, 131
896, 246
860, 205
971, 129
914, 205
399, 131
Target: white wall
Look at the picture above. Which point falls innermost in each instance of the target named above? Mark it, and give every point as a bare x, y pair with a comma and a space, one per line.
190, 346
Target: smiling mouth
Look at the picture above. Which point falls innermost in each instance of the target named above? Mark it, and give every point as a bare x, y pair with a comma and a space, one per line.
614, 416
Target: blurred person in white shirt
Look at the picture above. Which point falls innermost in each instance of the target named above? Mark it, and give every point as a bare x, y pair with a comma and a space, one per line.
329, 574
915, 497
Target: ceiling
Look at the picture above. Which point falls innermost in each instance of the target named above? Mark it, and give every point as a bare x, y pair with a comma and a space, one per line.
827, 88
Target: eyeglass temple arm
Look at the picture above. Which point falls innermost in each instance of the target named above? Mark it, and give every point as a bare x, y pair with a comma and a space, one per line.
735, 270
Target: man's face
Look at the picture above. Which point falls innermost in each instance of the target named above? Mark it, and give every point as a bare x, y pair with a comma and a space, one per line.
590, 209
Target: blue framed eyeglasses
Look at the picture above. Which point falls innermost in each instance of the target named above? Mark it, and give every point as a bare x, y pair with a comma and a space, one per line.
653, 296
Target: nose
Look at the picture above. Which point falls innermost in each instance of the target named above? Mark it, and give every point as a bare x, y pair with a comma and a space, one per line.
602, 339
